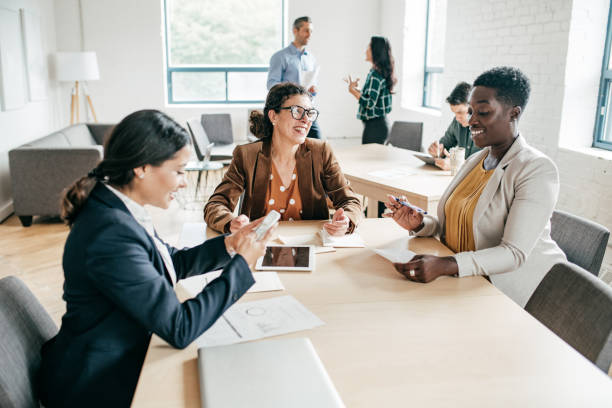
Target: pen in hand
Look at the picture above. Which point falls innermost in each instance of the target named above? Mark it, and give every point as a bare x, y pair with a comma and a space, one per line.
404, 203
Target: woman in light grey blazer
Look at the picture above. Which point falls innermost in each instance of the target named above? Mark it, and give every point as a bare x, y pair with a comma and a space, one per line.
495, 214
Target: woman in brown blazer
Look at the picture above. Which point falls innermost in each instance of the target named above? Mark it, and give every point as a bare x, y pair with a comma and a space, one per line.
284, 171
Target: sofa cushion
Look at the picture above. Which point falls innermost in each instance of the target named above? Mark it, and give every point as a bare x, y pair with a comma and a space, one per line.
56, 139
79, 135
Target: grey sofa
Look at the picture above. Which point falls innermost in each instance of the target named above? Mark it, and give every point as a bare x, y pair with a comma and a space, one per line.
42, 169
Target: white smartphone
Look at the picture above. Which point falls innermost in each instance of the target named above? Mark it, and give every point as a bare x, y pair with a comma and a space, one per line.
271, 219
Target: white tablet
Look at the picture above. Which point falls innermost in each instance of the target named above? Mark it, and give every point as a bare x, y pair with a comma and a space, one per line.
287, 258
426, 157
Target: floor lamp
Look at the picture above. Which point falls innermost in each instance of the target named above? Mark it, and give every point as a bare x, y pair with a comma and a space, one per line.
75, 67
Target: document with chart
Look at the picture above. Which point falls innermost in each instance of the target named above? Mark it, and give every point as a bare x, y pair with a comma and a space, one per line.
258, 319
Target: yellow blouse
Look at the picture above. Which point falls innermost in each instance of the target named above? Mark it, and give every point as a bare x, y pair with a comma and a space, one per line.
284, 199
459, 209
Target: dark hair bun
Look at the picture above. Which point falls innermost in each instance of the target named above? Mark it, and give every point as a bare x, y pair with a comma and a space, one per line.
256, 120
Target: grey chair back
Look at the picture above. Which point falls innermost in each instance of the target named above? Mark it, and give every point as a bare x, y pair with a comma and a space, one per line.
407, 135
198, 137
583, 241
578, 307
218, 128
24, 327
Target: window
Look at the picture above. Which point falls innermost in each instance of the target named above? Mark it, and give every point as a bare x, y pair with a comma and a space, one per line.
217, 51
435, 31
603, 121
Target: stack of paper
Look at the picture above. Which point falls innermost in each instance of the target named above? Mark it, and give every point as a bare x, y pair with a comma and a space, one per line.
258, 319
396, 252
353, 240
306, 239
264, 282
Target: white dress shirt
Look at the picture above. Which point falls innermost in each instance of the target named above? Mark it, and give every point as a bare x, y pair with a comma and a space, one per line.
141, 215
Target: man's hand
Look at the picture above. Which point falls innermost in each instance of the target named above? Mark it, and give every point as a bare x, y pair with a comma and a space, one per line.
444, 164
437, 149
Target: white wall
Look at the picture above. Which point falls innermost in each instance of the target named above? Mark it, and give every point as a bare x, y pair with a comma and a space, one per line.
127, 37
559, 45
35, 118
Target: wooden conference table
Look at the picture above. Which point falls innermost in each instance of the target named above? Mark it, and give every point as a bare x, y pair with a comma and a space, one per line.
376, 170
391, 342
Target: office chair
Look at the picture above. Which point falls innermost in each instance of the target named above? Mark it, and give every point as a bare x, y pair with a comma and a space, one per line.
24, 327
407, 135
577, 307
212, 128
583, 241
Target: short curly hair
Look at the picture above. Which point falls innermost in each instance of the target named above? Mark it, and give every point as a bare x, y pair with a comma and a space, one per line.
511, 84
460, 94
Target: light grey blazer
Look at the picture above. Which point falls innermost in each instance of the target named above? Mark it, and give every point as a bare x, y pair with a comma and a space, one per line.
511, 221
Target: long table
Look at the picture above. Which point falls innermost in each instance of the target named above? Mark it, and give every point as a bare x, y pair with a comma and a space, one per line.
390, 342
364, 166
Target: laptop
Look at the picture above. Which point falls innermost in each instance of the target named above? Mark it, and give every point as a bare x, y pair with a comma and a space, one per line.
265, 374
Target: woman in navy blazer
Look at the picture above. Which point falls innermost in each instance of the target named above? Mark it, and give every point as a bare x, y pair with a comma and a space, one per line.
119, 275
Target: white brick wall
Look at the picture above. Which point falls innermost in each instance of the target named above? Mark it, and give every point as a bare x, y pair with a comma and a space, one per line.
558, 44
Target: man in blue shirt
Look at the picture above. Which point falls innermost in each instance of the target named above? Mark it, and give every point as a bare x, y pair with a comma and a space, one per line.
295, 64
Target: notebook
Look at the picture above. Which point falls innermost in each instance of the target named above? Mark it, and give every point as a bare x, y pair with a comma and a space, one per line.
271, 373
353, 240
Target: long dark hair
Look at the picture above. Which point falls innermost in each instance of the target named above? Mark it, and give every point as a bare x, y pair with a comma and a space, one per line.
383, 60
143, 137
261, 126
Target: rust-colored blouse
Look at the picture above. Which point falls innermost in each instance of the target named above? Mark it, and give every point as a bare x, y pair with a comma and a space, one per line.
284, 199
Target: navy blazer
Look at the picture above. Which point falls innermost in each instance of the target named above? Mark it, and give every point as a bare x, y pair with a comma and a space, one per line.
117, 292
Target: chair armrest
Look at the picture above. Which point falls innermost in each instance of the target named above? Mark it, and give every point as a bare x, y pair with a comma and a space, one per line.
39, 175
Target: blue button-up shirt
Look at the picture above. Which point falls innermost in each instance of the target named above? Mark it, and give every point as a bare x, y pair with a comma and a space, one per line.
286, 65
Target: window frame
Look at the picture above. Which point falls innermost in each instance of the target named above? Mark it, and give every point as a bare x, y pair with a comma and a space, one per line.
429, 70
226, 69
605, 85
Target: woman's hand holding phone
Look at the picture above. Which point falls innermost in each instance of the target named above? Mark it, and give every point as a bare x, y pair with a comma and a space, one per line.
245, 242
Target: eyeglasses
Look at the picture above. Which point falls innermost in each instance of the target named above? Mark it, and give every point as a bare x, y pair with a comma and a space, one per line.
298, 112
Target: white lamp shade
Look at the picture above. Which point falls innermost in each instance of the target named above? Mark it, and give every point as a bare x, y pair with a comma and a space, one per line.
77, 66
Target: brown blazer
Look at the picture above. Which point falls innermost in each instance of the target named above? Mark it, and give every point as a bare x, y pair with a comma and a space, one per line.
318, 171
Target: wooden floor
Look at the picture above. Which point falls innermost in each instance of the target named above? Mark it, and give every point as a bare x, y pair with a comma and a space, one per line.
34, 254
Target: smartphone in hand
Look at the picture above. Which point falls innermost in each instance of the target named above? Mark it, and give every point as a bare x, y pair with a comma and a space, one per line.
271, 219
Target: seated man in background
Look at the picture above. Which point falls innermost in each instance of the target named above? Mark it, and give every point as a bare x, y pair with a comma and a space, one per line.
458, 132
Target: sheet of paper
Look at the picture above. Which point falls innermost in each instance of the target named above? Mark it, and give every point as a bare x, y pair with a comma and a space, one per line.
396, 252
392, 173
192, 234
353, 240
306, 239
309, 78
397, 255
264, 282
258, 319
